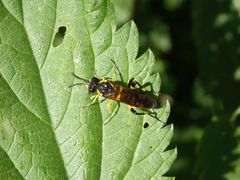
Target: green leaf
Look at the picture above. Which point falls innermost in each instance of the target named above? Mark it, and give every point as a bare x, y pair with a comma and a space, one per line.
219, 150
45, 133
124, 10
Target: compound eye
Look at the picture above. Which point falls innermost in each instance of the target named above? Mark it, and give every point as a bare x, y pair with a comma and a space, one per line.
92, 87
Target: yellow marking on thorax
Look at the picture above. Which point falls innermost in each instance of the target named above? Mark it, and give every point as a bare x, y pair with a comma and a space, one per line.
119, 94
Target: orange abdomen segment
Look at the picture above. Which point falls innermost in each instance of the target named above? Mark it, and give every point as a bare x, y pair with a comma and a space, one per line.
133, 97
138, 98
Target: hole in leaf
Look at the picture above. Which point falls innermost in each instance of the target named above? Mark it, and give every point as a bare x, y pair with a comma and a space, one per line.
145, 125
59, 36
150, 147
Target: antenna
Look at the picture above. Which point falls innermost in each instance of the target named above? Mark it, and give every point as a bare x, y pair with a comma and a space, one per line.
77, 84
76, 76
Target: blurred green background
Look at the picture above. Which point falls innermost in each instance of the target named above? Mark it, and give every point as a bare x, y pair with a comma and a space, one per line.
197, 48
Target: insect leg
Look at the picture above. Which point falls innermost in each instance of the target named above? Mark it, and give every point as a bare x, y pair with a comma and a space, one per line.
95, 97
113, 77
146, 85
132, 83
152, 114
121, 78
109, 106
110, 116
93, 103
135, 112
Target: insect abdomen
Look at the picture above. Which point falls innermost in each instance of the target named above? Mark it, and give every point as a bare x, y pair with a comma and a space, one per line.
138, 99
133, 97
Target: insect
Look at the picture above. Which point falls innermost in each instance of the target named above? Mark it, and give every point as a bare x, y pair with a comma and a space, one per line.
131, 95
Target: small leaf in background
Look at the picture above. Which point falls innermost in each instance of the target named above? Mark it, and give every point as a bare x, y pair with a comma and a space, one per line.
220, 146
44, 130
217, 37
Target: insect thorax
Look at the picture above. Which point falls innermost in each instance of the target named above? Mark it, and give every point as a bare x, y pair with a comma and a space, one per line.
105, 88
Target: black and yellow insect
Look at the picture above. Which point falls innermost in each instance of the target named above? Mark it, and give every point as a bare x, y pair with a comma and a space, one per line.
129, 94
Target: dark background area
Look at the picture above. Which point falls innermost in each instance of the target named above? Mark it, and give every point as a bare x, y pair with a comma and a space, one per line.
190, 40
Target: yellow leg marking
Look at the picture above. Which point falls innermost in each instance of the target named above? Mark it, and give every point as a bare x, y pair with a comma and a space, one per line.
95, 98
133, 84
99, 94
129, 107
109, 104
114, 77
102, 80
92, 97
131, 87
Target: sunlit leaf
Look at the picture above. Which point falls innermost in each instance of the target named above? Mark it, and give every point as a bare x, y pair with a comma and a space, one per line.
45, 131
